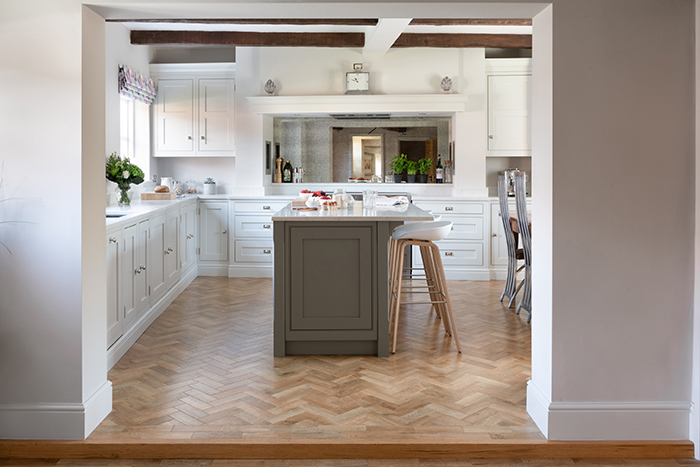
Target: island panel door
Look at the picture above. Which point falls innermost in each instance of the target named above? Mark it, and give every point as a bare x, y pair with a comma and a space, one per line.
332, 278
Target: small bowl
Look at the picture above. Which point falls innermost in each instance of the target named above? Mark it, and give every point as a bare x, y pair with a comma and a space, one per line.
305, 196
313, 202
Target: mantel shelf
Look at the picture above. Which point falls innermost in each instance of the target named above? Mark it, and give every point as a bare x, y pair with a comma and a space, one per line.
359, 104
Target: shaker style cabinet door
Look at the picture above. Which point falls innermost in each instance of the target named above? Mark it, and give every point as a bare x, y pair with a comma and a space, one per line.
187, 247
170, 252
156, 257
509, 113
216, 111
114, 320
213, 221
174, 118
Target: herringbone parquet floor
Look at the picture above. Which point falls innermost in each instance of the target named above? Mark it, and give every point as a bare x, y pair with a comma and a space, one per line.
204, 369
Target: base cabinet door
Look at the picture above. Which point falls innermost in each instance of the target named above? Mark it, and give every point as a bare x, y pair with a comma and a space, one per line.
170, 251
114, 320
499, 249
156, 257
331, 282
131, 272
213, 224
187, 247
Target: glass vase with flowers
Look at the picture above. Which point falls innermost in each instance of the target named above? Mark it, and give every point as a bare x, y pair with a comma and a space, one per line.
124, 174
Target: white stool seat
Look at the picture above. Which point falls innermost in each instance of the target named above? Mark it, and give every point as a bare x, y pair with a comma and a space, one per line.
430, 231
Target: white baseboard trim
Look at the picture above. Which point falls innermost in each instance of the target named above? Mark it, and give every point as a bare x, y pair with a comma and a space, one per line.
619, 420
587, 421
538, 407
250, 270
73, 421
213, 270
124, 343
694, 428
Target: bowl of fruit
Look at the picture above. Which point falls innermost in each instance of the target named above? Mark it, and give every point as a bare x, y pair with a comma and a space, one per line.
305, 194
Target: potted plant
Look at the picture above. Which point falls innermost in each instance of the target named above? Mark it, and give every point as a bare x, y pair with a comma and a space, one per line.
411, 170
209, 186
398, 164
424, 166
123, 173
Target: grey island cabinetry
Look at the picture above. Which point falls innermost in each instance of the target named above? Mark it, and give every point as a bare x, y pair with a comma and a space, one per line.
330, 279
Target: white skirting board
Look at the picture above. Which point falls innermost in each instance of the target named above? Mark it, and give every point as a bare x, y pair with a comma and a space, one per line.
130, 336
56, 421
640, 421
250, 270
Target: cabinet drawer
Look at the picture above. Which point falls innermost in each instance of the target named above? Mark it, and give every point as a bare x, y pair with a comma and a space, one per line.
253, 226
457, 254
449, 207
262, 207
254, 251
465, 228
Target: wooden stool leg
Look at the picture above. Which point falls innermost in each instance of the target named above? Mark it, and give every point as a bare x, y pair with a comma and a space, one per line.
430, 277
440, 297
397, 302
443, 279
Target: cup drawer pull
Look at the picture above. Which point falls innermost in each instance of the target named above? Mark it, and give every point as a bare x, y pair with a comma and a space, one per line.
449, 253
449, 208
266, 208
266, 226
267, 252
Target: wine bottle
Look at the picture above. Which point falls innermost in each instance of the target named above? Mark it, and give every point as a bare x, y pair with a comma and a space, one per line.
287, 172
438, 171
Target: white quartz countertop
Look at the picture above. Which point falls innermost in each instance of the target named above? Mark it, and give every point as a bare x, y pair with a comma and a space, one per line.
407, 212
139, 208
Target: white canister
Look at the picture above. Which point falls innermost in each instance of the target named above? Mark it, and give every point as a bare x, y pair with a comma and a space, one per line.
209, 188
167, 181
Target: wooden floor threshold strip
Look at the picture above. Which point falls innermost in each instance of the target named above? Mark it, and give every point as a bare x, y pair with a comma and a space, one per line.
336, 449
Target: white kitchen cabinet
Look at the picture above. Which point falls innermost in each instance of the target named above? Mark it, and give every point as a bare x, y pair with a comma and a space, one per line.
163, 266
252, 229
499, 249
213, 230
134, 275
462, 250
187, 246
509, 106
193, 114
115, 323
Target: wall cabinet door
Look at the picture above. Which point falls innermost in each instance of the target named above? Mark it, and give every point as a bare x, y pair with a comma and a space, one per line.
171, 262
509, 113
174, 122
213, 237
216, 111
187, 246
114, 321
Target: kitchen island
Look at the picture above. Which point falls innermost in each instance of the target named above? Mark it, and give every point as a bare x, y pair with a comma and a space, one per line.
331, 293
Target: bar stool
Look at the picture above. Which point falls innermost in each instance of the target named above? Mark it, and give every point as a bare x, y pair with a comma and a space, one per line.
510, 289
423, 235
524, 228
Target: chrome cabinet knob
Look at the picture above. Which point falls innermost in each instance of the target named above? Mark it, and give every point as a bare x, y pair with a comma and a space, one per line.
494, 235
490, 136
112, 240
189, 138
142, 267
137, 271
224, 232
449, 208
202, 138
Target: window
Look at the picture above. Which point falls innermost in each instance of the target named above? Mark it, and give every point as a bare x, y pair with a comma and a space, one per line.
127, 143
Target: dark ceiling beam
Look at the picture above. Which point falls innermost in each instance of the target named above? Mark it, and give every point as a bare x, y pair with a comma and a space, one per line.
261, 21
470, 22
249, 39
503, 41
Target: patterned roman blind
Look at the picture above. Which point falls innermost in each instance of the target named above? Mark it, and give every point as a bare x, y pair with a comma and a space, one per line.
136, 86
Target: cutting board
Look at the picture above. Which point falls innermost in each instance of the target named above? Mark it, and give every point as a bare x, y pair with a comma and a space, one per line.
157, 196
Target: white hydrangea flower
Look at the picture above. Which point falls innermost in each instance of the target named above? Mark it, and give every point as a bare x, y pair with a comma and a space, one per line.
125, 174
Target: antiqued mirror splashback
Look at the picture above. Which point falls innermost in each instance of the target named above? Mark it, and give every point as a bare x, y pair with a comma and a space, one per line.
338, 150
